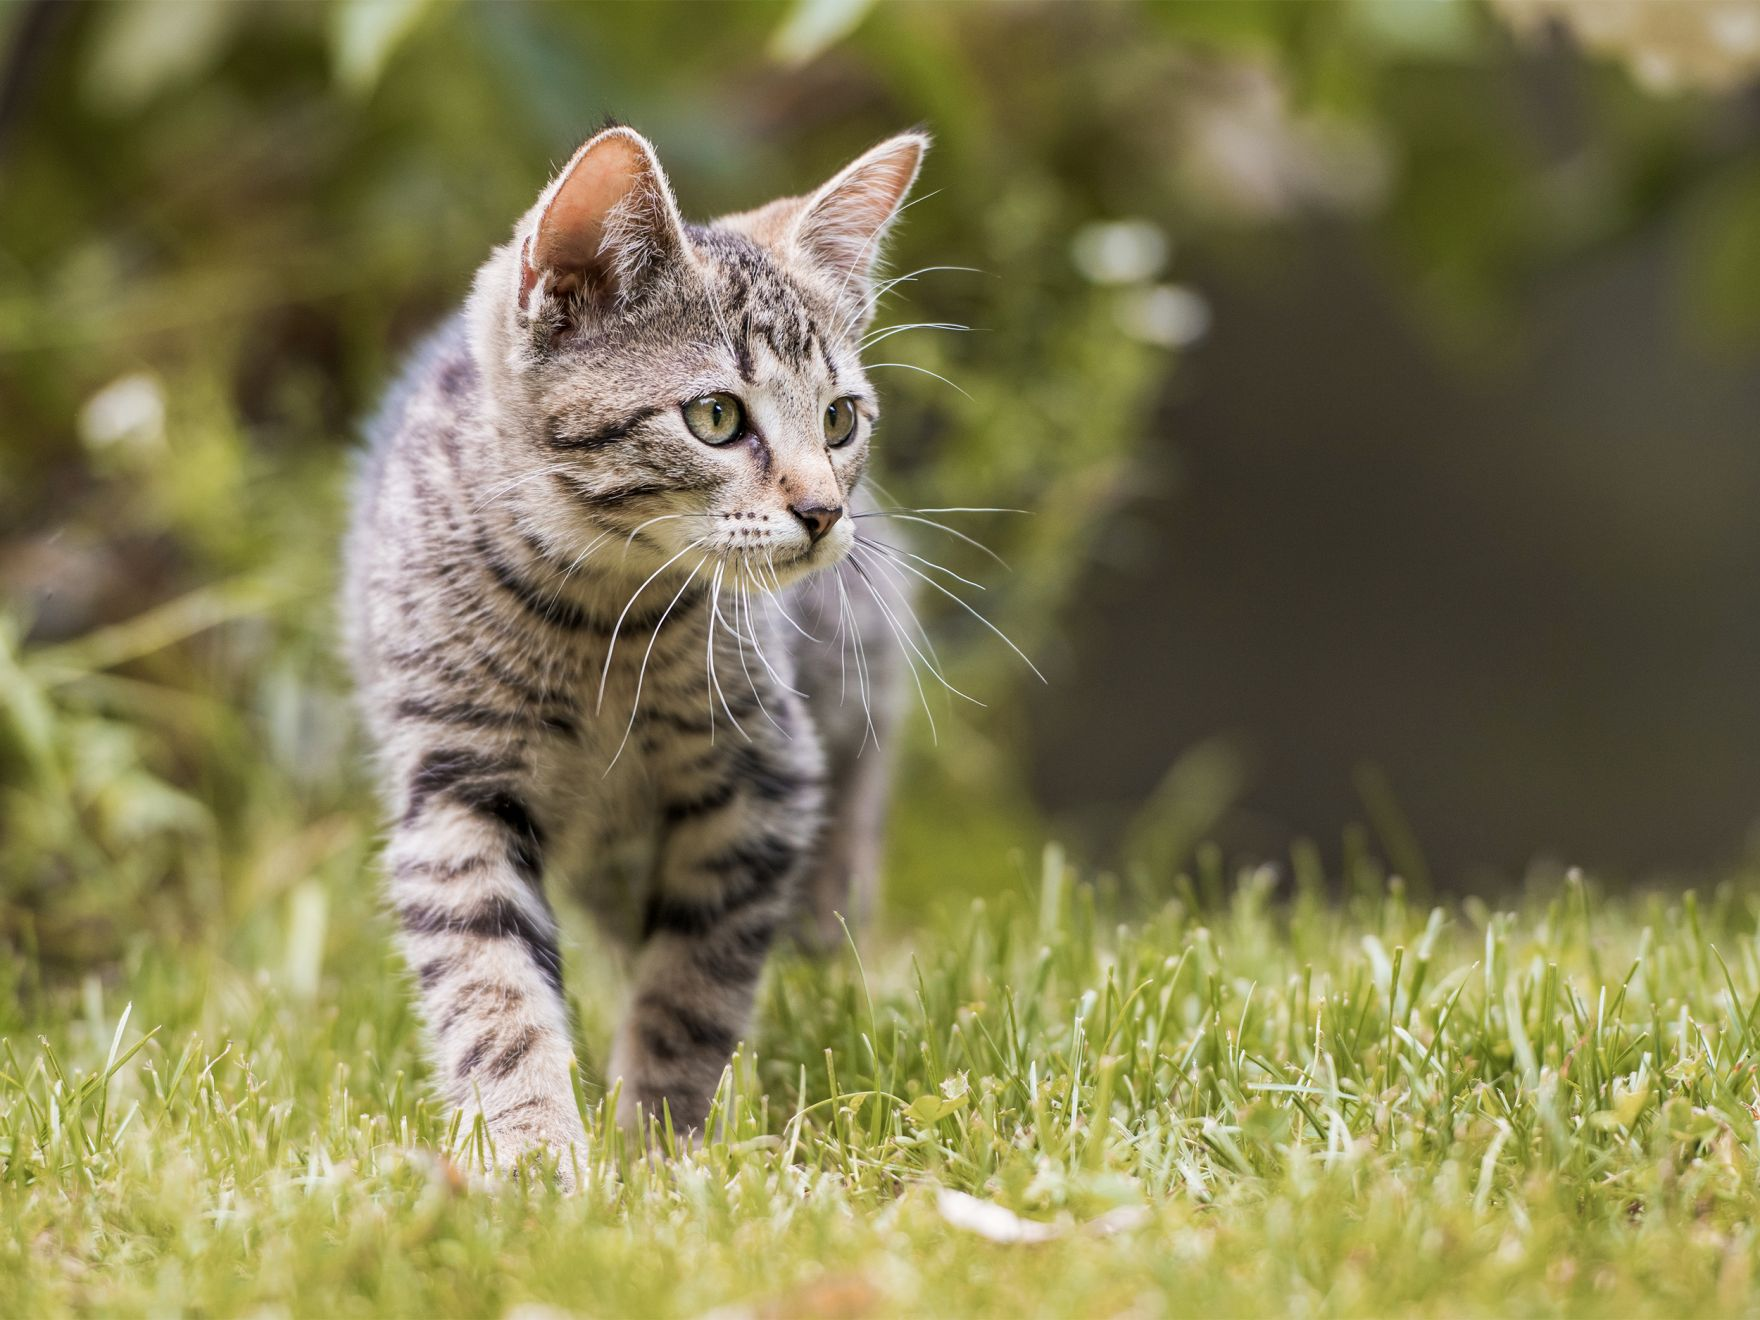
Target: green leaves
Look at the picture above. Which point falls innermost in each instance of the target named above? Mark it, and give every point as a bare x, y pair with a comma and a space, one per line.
364, 34
932, 1108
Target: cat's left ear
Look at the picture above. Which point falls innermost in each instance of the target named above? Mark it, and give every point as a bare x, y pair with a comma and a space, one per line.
843, 226
605, 225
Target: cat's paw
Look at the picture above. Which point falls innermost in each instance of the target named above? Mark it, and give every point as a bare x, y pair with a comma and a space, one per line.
545, 1135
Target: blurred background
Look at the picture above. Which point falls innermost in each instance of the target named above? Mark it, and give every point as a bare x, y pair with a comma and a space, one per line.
1379, 379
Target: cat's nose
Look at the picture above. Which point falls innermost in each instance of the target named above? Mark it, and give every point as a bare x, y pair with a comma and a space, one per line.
816, 518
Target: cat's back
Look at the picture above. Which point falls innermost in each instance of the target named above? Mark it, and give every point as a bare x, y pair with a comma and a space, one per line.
409, 474
432, 402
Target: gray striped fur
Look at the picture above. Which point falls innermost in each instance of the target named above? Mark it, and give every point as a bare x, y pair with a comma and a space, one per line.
545, 565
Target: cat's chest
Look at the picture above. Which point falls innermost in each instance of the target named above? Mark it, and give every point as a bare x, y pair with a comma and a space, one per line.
610, 832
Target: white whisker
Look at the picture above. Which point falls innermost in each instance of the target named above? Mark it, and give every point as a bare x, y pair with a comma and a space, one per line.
891, 330
903, 644
904, 639
744, 595
902, 598
855, 631
497, 491
774, 593
635, 703
873, 238
758, 646
930, 522
964, 605
715, 682
911, 366
878, 544
884, 287
664, 517
611, 646
965, 508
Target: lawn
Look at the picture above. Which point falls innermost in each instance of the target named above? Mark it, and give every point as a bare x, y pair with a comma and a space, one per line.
1075, 1099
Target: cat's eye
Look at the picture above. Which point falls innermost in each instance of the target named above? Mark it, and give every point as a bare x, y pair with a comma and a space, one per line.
840, 422
715, 419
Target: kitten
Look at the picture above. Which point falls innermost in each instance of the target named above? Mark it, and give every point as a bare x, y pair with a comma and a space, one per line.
599, 517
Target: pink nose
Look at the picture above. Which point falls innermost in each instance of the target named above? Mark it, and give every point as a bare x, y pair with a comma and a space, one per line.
816, 518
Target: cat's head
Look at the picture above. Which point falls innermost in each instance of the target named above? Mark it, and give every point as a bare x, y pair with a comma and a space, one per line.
694, 393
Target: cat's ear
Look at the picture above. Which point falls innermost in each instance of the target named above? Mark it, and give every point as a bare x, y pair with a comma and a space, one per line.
843, 225
606, 223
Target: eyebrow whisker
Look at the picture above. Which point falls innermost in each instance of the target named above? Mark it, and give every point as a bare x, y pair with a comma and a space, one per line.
911, 366
876, 336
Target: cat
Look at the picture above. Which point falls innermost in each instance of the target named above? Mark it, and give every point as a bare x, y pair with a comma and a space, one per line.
594, 607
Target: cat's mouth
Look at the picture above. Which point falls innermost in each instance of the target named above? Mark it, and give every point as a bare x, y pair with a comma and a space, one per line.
792, 564
793, 561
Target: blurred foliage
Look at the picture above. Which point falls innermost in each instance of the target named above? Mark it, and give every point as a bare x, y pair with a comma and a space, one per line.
1709, 43
221, 224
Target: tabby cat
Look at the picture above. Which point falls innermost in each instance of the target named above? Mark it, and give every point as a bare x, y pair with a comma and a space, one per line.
595, 612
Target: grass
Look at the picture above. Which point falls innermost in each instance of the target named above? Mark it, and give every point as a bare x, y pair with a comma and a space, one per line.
1067, 1101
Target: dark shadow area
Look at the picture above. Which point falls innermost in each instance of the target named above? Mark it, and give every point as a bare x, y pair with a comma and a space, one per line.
1528, 592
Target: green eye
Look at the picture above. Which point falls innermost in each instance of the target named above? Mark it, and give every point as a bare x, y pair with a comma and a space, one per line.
840, 422
715, 419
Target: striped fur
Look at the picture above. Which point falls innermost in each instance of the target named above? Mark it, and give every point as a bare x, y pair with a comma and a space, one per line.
580, 634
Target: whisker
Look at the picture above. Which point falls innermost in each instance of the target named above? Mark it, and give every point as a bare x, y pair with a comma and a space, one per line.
611, 646
635, 703
758, 646
664, 517
875, 237
902, 598
715, 683
964, 605
875, 486
738, 586
891, 330
905, 639
745, 595
709, 649
497, 491
878, 544
910, 276
563, 575
721, 325
903, 644
964, 508
775, 597
855, 633
930, 522
884, 287
818, 609
581, 558
842, 640
911, 366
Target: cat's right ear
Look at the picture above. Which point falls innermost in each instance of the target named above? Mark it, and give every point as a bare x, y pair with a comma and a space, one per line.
604, 226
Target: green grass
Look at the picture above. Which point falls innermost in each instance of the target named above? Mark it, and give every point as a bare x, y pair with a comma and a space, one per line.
1268, 1104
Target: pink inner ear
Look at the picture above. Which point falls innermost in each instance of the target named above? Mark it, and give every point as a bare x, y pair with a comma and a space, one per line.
571, 235
843, 223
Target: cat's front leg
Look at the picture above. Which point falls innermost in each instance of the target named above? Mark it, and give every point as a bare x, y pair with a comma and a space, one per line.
740, 819
465, 879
